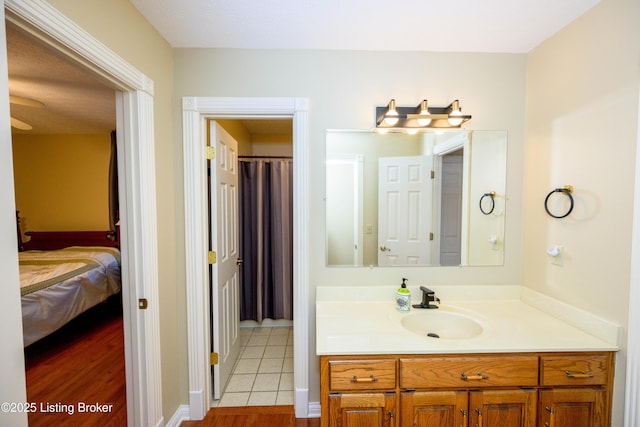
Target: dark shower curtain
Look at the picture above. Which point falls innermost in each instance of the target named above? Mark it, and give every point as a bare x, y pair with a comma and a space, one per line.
266, 239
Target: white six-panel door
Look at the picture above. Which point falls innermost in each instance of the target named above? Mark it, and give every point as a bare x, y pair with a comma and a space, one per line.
225, 305
404, 210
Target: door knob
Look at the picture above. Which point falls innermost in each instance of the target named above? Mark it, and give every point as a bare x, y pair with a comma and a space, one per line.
383, 248
239, 262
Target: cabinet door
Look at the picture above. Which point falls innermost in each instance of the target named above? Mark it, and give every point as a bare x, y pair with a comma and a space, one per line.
579, 407
362, 410
434, 409
504, 408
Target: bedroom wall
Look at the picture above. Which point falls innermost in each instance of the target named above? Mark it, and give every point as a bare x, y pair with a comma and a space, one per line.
575, 82
62, 181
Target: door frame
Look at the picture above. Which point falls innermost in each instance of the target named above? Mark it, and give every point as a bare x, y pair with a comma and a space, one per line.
134, 112
195, 113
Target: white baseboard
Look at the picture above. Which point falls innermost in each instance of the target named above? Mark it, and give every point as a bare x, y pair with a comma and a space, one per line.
181, 414
314, 410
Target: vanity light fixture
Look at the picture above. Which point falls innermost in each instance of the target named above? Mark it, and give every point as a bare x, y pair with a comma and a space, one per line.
424, 111
392, 117
455, 116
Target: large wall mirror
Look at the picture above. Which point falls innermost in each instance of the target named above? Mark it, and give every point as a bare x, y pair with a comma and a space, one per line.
434, 198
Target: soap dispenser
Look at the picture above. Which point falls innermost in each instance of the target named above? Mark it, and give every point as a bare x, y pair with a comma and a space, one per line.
403, 297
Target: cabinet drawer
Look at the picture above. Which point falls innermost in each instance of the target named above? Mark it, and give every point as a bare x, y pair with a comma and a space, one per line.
574, 370
475, 372
362, 374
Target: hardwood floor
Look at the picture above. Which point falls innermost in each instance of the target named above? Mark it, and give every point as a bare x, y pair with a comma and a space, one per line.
253, 416
80, 365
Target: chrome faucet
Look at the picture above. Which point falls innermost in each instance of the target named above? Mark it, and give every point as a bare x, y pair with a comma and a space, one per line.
428, 296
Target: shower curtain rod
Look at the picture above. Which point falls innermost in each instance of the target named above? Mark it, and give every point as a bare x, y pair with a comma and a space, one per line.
264, 157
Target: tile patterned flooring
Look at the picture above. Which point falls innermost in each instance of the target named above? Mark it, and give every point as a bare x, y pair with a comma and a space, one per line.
263, 374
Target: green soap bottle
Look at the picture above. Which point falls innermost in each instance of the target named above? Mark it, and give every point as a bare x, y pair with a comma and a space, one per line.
403, 297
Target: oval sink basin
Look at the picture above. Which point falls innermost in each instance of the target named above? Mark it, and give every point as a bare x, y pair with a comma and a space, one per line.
441, 324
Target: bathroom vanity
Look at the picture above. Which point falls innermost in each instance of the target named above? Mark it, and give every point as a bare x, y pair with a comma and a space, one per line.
474, 363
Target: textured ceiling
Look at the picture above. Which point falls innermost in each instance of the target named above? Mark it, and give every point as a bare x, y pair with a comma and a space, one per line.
514, 26
76, 102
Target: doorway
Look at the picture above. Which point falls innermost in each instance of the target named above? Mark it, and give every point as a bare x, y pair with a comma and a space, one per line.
196, 112
250, 196
40, 155
136, 157
451, 208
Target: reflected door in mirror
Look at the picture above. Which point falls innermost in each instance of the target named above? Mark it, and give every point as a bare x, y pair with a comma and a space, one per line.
404, 210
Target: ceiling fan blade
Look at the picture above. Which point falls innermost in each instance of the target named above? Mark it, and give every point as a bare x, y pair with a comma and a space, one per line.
27, 102
19, 124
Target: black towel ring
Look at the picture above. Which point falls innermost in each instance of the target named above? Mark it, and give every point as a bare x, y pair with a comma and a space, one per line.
492, 196
566, 190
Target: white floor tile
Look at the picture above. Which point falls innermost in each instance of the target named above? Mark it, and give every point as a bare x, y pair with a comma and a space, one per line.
284, 398
247, 366
286, 382
262, 398
277, 340
252, 352
234, 399
270, 366
240, 382
263, 375
266, 382
289, 351
258, 340
245, 332
274, 352
287, 366
261, 332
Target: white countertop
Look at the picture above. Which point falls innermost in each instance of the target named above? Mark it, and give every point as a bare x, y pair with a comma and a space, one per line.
509, 325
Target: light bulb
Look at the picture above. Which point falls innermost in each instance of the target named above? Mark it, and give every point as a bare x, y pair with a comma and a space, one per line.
391, 116
412, 131
424, 111
454, 114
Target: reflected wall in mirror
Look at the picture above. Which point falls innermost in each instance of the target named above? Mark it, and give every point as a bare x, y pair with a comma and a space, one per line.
434, 198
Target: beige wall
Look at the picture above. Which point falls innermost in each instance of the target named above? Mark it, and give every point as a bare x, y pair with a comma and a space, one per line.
119, 26
582, 110
343, 89
62, 181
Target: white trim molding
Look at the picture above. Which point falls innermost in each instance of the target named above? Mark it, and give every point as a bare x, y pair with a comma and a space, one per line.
195, 113
632, 387
134, 106
181, 414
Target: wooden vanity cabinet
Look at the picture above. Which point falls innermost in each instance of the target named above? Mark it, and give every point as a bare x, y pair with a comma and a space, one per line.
358, 391
506, 390
513, 407
573, 407
433, 408
478, 403
362, 409
576, 390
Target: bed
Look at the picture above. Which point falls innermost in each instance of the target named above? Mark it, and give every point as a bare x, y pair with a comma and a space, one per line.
63, 274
